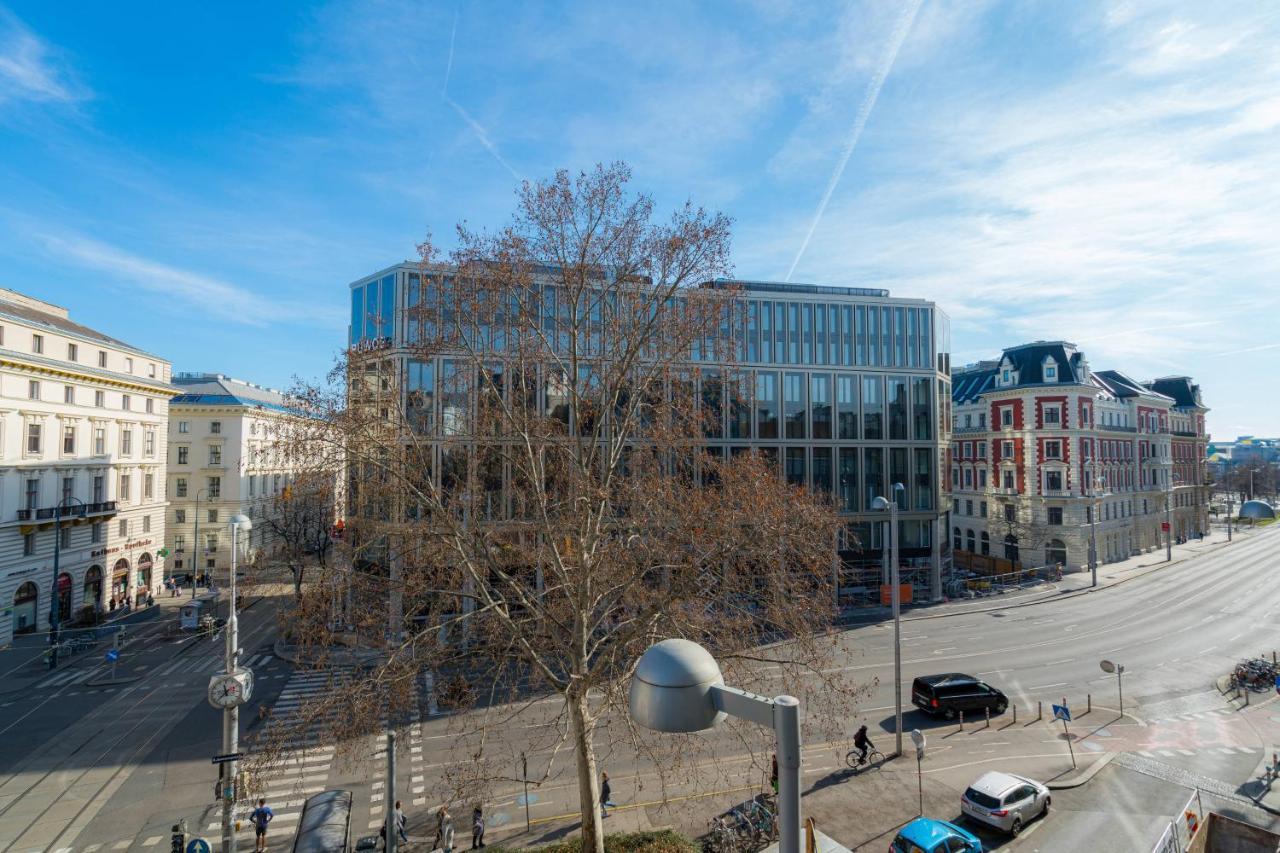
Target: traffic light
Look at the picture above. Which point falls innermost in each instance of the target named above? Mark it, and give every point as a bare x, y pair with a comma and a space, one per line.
178, 841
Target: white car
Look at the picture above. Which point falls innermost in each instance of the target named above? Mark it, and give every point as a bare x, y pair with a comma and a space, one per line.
1005, 801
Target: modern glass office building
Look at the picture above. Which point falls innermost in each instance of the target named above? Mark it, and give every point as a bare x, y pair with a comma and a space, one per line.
846, 389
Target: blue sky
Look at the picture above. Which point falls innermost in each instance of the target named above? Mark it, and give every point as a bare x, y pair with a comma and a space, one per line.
203, 180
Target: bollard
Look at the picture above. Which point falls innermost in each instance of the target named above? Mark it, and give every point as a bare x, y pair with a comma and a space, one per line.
1273, 657
1089, 709
1039, 711
1015, 715
987, 711
962, 721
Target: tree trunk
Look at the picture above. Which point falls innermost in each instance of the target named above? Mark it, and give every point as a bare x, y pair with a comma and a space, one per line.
588, 778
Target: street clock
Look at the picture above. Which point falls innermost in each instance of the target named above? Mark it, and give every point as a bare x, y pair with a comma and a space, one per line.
230, 690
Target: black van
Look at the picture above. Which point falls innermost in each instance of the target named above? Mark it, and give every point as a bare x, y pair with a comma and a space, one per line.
953, 692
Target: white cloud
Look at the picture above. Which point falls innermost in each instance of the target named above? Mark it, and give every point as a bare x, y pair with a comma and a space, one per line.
216, 298
31, 70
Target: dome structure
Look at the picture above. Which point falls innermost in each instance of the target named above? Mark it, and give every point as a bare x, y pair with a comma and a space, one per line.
1257, 510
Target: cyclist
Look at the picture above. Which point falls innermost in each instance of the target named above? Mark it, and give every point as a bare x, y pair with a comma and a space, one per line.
862, 743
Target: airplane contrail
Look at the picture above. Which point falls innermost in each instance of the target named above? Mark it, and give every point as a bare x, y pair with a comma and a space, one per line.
448, 69
900, 31
476, 128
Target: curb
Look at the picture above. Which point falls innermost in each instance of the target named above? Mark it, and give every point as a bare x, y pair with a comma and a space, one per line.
1081, 778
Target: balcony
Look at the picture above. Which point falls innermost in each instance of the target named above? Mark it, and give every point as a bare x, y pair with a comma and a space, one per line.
1115, 428
49, 513
1003, 492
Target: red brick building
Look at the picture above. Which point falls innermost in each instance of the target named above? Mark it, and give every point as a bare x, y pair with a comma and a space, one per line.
1041, 442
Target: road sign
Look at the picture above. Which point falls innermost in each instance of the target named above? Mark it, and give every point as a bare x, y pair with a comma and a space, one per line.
1278, 683
918, 738
1107, 666
1164, 525
197, 845
113, 655
230, 756
1062, 712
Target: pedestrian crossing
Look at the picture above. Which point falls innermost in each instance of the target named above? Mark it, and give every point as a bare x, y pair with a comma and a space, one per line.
1213, 714
68, 677
1173, 753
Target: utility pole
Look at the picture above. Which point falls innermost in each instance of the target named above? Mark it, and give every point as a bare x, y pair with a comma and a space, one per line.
234, 687
54, 598
1093, 518
1168, 522
390, 823
1231, 505
890, 545
195, 546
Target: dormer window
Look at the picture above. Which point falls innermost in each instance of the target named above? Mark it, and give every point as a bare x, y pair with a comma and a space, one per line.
1005, 376
1050, 369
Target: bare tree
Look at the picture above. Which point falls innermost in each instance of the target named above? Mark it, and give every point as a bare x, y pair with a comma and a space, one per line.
531, 498
299, 522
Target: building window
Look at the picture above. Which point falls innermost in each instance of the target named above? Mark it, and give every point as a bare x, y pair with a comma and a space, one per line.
182, 454
180, 542
184, 426
148, 486
214, 487
215, 454
179, 516
151, 370
1006, 416
125, 402
1050, 373
99, 441
69, 395
124, 528
126, 487
102, 358
33, 438
213, 516
33, 389
146, 524
128, 365
1005, 376
215, 427
69, 439
1052, 416
97, 489
1055, 515
126, 442
1006, 450
982, 450
95, 533
149, 443
1053, 481
1010, 514
150, 406
28, 544
986, 543
1008, 481
100, 399
982, 509
955, 505
33, 493
37, 343
968, 507
1053, 449
73, 352
982, 478
180, 487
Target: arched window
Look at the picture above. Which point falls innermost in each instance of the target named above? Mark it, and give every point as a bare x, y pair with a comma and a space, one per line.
93, 587
955, 535
120, 580
986, 543
64, 598
969, 542
1011, 547
1055, 552
24, 608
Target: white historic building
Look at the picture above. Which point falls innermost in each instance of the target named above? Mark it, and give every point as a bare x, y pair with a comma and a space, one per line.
224, 459
83, 426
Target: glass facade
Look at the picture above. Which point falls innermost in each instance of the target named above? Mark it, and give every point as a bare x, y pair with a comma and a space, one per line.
843, 394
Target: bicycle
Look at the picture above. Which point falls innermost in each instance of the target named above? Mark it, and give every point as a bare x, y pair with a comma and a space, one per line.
855, 760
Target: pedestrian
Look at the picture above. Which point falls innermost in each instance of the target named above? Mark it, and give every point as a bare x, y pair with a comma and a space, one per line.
606, 795
442, 816
113, 604
400, 821
260, 817
477, 828
447, 841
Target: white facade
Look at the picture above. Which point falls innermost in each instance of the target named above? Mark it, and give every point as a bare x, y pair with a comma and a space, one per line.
83, 419
223, 460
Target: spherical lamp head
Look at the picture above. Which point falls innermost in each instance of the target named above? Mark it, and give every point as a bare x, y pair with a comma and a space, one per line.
671, 688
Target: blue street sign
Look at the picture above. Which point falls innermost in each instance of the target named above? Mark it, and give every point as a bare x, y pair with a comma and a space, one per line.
113, 655
1062, 712
1278, 683
197, 845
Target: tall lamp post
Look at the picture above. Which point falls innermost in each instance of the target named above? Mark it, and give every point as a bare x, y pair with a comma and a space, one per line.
229, 690
891, 542
678, 687
54, 610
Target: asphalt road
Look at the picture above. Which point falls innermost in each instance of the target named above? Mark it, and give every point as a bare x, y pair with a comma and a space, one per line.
90, 767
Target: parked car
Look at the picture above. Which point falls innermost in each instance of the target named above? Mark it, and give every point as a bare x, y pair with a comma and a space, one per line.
953, 692
926, 835
1005, 801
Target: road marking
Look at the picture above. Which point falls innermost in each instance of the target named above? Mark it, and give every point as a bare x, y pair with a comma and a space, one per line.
150, 842
1186, 752
994, 671
1060, 662
1047, 686
947, 649
1206, 651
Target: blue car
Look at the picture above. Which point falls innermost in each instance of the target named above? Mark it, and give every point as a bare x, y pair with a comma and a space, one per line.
926, 835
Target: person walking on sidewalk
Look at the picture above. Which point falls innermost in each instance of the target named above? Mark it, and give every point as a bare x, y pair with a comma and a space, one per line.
442, 817
446, 843
477, 828
260, 818
606, 795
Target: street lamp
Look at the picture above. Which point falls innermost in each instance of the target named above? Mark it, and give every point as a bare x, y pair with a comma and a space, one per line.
195, 545
678, 687
229, 691
1099, 493
891, 542
53, 598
